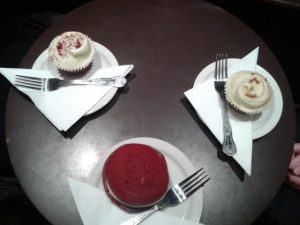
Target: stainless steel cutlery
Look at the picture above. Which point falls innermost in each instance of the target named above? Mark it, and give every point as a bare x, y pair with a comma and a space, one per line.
52, 84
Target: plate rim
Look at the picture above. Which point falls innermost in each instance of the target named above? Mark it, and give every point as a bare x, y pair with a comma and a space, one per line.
102, 51
204, 75
196, 207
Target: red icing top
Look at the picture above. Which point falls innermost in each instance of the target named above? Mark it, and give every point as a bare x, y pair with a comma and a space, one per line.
69, 41
136, 174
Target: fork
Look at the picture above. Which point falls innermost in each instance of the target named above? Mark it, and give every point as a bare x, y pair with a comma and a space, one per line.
174, 196
220, 77
51, 84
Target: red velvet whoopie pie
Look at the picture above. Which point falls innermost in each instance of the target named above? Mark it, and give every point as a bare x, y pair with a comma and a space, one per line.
136, 175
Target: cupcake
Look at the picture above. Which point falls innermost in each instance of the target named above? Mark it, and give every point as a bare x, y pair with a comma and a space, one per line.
135, 176
71, 51
249, 92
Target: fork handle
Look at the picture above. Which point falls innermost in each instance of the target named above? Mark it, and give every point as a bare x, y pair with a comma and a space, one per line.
228, 146
112, 81
140, 217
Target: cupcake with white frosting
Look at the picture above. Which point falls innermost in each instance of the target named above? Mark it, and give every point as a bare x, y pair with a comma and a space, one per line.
249, 92
71, 51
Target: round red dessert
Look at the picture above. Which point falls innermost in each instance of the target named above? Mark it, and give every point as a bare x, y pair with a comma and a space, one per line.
136, 175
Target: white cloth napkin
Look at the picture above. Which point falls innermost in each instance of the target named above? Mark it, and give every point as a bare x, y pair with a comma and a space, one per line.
95, 208
206, 102
65, 106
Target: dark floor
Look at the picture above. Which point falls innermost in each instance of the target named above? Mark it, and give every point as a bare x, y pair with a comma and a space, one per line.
22, 24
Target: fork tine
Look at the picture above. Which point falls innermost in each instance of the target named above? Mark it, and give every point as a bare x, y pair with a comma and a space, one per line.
216, 67
29, 82
197, 185
222, 67
36, 87
189, 177
33, 79
226, 68
25, 82
219, 75
192, 180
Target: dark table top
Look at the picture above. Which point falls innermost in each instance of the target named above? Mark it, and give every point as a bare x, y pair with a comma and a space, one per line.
169, 43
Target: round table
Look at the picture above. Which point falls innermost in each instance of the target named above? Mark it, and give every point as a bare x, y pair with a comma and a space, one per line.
169, 43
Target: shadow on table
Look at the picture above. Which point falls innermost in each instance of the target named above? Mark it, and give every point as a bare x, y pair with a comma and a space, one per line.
81, 123
233, 164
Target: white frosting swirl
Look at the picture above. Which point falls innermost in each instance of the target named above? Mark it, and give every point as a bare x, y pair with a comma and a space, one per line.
249, 92
71, 51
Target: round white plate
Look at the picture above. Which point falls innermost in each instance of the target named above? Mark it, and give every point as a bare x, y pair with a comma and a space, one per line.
269, 118
179, 167
103, 58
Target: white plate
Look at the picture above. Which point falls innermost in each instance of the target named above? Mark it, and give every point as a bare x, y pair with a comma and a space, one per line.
103, 58
179, 167
269, 118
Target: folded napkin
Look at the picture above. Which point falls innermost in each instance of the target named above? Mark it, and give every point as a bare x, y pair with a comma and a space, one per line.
65, 106
206, 102
95, 208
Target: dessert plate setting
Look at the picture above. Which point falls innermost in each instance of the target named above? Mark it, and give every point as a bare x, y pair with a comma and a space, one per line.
70, 58
263, 123
245, 127
103, 58
179, 167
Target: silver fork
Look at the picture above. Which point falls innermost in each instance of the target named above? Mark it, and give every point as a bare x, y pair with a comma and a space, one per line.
220, 78
51, 84
175, 195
